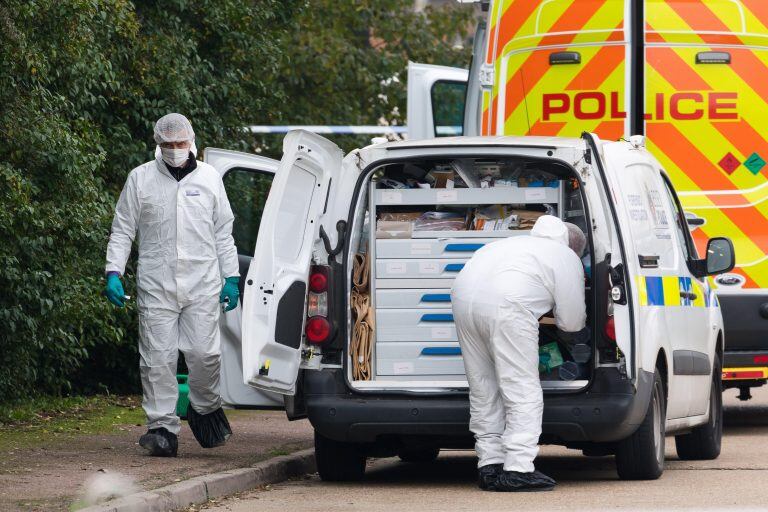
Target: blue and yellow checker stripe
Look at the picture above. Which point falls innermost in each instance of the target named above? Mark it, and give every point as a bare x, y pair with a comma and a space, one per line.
668, 291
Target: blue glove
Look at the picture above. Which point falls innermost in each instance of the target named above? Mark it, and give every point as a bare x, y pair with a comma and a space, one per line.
231, 292
114, 290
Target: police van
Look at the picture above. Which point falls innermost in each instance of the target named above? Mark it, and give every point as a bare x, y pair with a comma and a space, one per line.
689, 75
346, 304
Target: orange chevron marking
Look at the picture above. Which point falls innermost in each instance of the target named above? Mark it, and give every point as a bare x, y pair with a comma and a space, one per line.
752, 70
537, 64
592, 76
610, 130
701, 18
548, 129
509, 24
743, 137
675, 70
678, 148
759, 8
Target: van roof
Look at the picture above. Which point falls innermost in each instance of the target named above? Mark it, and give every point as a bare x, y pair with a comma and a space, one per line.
538, 142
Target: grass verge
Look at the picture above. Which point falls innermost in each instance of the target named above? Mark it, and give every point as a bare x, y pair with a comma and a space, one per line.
47, 419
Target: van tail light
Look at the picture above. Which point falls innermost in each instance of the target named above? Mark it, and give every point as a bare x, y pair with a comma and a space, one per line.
317, 327
610, 328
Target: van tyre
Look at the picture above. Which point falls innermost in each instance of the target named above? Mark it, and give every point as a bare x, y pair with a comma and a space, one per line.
338, 461
703, 442
641, 455
417, 455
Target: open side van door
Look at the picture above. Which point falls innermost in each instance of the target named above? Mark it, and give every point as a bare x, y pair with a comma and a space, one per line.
247, 180
276, 286
436, 97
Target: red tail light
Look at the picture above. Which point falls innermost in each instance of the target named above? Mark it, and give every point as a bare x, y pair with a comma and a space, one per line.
317, 329
318, 280
610, 328
761, 359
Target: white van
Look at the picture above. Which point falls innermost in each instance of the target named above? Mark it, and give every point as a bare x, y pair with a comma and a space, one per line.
417, 210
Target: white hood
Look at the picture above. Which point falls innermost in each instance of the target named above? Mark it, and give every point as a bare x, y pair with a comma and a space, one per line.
549, 226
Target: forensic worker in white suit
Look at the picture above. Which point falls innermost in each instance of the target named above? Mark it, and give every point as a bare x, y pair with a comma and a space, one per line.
178, 209
498, 299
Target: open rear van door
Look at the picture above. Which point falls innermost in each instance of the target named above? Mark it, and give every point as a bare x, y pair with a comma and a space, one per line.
247, 179
436, 97
276, 286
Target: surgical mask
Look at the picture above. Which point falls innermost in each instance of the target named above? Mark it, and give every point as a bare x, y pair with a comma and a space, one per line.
175, 157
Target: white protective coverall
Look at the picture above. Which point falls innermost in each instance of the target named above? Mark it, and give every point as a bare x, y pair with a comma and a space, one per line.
497, 301
186, 249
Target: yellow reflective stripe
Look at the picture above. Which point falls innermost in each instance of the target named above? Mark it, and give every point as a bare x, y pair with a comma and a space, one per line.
642, 290
671, 290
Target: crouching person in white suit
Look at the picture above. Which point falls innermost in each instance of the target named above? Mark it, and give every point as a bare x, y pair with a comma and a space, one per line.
497, 300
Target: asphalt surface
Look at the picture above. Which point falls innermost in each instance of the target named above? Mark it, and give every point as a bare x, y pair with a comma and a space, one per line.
736, 481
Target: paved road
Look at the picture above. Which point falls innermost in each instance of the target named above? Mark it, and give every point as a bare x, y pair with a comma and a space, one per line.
737, 480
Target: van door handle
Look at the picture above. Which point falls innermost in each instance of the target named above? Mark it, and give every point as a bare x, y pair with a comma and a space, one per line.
688, 295
648, 261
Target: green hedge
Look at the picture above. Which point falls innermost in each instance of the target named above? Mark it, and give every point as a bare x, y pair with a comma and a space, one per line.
81, 85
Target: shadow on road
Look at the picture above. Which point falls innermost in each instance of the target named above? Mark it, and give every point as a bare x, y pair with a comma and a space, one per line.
459, 468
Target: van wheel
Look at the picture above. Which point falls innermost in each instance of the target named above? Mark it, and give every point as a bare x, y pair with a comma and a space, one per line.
419, 454
703, 442
641, 455
338, 461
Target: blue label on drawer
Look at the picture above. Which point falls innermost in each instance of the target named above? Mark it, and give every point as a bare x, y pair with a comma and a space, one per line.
437, 317
436, 297
454, 267
463, 247
441, 351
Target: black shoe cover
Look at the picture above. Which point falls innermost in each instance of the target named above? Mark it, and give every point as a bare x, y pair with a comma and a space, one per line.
513, 481
487, 476
210, 430
160, 443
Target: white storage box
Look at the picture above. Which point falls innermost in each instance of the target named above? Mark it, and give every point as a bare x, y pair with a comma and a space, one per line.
415, 325
419, 268
419, 359
430, 247
417, 298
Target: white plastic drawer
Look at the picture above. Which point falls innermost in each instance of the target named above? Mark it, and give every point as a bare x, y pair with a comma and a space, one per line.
410, 284
419, 359
419, 268
430, 248
418, 298
415, 325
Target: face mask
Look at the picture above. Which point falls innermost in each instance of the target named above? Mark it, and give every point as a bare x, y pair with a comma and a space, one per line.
175, 157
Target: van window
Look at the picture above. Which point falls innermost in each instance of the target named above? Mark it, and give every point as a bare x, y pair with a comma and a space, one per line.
448, 99
681, 224
650, 217
247, 192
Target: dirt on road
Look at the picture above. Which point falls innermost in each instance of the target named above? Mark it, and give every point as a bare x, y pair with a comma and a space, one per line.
50, 473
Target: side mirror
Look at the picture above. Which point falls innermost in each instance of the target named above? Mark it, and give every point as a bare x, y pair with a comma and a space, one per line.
720, 256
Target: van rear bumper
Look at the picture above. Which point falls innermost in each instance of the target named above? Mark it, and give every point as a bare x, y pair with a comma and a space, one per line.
610, 410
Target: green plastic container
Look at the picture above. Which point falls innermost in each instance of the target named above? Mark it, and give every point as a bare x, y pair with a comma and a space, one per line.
183, 402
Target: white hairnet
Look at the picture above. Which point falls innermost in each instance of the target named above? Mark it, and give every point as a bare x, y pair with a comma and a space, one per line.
549, 226
173, 128
576, 239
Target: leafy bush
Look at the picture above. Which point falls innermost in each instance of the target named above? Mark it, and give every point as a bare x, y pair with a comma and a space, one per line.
81, 85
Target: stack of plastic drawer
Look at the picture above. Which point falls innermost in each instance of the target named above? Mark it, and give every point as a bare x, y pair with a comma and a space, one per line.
415, 333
